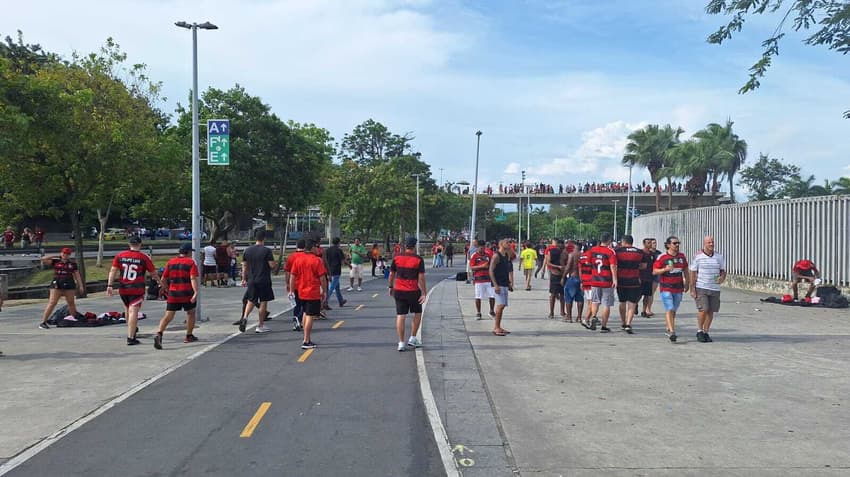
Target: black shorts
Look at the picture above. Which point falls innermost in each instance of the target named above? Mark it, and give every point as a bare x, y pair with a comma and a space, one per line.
189, 306
555, 287
311, 307
210, 270
64, 284
646, 288
629, 294
258, 293
129, 300
407, 302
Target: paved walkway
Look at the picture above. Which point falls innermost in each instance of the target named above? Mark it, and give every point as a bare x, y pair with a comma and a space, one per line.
768, 397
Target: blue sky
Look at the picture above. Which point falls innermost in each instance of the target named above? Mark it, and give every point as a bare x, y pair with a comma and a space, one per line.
555, 86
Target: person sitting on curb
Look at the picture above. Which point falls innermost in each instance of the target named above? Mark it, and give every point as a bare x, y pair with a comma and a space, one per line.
804, 271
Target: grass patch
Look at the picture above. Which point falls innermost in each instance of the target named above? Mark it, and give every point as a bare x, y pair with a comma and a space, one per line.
93, 273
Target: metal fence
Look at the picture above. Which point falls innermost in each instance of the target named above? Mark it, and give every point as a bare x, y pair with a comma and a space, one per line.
764, 239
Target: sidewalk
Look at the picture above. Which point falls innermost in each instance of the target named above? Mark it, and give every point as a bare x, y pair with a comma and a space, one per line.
768, 397
52, 378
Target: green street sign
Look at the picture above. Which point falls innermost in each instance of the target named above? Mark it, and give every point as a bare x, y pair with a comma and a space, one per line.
218, 142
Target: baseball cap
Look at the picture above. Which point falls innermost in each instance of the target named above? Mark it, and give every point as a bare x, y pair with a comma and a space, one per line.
135, 239
67, 250
410, 242
186, 247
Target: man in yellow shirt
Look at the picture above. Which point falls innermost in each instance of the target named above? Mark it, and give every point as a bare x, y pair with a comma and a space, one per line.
529, 258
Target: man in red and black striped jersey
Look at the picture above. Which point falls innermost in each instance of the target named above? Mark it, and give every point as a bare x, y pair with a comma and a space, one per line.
180, 284
603, 279
630, 261
479, 264
585, 273
672, 268
407, 286
131, 266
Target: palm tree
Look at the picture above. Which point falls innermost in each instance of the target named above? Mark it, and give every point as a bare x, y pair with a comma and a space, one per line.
799, 187
736, 148
649, 148
715, 153
841, 186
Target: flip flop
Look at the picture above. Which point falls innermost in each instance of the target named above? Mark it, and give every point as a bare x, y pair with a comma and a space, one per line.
500, 333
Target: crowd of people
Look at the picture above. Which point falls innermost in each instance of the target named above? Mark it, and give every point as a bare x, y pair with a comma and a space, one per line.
28, 238
590, 275
584, 276
586, 188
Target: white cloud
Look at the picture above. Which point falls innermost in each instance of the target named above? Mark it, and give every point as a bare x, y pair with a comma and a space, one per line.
512, 168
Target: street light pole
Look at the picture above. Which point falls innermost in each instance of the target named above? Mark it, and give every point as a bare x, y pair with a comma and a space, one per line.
474, 198
197, 232
417, 211
615, 218
629, 202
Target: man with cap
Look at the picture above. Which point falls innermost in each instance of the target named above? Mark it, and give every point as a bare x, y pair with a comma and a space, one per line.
180, 285
407, 285
131, 266
66, 282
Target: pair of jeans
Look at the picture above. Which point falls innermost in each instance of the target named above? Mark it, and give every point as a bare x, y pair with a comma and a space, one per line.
334, 288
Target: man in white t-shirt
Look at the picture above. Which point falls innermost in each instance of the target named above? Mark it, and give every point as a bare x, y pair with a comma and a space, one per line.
708, 271
210, 269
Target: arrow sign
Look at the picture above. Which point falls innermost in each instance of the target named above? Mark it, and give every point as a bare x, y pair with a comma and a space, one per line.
218, 142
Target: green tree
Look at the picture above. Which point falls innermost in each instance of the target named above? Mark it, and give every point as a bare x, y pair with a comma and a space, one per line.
371, 142
797, 187
829, 18
768, 177
650, 148
841, 186
273, 166
90, 129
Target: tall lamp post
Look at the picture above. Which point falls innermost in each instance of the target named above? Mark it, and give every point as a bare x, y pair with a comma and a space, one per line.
197, 232
629, 203
615, 218
417, 209
474, 198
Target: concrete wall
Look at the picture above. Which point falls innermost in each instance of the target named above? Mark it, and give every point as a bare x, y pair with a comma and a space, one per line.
762, 240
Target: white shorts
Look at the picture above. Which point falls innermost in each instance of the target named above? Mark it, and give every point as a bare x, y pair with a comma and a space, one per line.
603, 296
356, 272
588, 295
484, 290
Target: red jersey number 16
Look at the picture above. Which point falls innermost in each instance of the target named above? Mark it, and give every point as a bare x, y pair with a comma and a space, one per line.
130, 271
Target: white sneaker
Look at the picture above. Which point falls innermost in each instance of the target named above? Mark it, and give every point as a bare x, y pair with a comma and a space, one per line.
401, 346
349, 289
262, 329
359, 289
414, 342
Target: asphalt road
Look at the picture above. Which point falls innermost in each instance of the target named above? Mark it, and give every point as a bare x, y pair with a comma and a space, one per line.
352, 407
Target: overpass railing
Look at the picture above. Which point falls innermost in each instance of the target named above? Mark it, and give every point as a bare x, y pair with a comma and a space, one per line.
764, 239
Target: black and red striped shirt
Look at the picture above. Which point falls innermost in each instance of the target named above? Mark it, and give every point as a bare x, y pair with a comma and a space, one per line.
179, 272
63, 271
672, 281
407, 266
601, 259
628, 266
480, 257
133, 265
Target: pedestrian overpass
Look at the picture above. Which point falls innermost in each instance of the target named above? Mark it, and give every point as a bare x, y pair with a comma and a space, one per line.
642, 200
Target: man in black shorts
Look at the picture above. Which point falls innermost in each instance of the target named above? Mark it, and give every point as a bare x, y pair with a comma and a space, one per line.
554, 263
180, 285
257, 265
407, 286
630, 261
